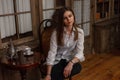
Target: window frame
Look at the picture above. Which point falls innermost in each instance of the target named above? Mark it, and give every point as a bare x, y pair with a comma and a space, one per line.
67, 3
82, 18
34, 20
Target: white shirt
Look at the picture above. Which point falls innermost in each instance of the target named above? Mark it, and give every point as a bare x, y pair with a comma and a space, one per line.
70, 49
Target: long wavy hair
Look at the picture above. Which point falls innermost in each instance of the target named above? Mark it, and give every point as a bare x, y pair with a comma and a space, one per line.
58, 18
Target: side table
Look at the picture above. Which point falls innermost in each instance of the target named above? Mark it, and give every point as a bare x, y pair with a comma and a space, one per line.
22, 64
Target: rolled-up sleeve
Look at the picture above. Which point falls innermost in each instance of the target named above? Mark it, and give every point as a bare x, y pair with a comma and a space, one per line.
53, 49
80, 46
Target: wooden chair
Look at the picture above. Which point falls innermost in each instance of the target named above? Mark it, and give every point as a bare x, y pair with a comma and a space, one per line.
45, 30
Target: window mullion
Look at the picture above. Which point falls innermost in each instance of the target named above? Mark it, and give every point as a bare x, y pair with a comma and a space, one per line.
17, 13
16, 19
0, 40
54, 3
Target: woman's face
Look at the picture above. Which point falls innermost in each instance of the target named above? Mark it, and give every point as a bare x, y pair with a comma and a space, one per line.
68, 18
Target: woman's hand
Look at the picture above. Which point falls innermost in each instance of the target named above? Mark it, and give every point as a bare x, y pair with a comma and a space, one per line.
48, 77
68, 69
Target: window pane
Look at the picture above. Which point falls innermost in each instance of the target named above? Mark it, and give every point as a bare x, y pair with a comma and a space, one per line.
86, 28
23, 5
17, 25
86, 11
7, 26
77, 10
48, 4
6, 7
24, 23
48, 14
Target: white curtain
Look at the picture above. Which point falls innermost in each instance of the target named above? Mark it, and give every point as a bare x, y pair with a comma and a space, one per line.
7, 23
25, 23
86, 10
24, 20
83, 16
23, 5
48, 14
86, 28
86, 17
77, 10
47, 4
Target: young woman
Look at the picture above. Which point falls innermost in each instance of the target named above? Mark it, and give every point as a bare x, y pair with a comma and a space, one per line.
66, 47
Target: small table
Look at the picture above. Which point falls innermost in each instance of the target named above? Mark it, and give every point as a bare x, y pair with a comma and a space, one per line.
22, 64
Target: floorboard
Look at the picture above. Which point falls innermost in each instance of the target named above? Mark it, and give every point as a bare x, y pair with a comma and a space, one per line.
104, 66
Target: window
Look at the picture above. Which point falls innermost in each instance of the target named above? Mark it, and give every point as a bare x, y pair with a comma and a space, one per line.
82, 13
80, 7
15, 20
49, 6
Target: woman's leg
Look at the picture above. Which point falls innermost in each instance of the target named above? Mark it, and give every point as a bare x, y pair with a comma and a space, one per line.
76, 69
57, 70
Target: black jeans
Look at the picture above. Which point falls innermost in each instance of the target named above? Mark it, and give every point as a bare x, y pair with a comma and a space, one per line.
57, 70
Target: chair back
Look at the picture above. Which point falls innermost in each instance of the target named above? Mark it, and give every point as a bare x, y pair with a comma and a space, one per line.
45, 30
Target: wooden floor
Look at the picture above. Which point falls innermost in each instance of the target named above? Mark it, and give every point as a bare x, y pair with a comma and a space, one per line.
105, 66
